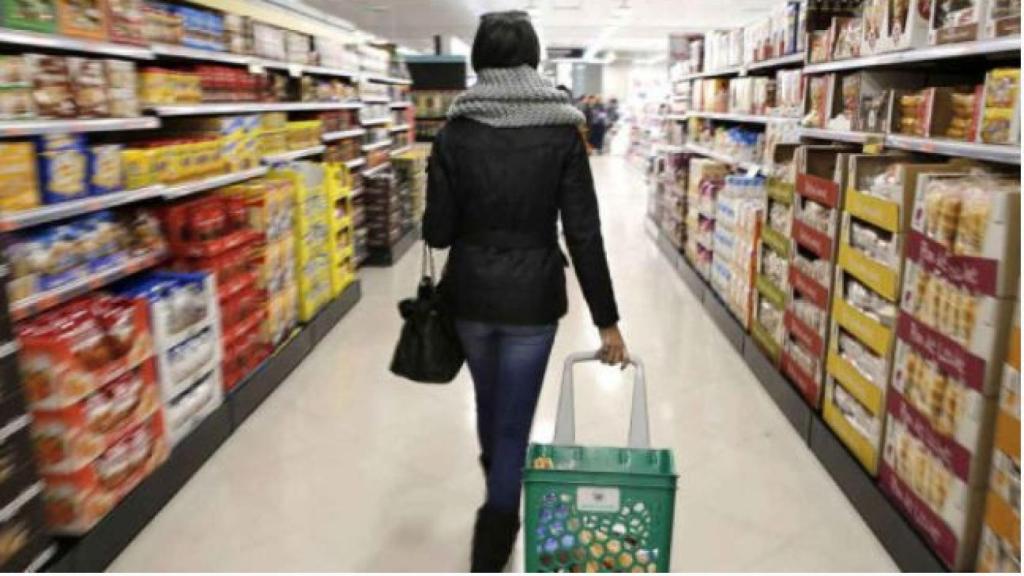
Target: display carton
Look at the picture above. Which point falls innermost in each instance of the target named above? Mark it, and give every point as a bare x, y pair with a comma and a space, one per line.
908, 25
856, 427
957, 22
1003, 19
875, 27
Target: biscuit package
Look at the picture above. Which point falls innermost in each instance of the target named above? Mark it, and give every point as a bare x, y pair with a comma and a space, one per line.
83, 18
52, 94
1000, 121
19, 186
34, 15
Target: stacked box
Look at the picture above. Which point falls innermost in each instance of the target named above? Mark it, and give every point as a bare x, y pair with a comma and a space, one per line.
185, 321
820, 180
312, 222
706, 178
385, 214
959, 289
869, 267
775, 249
342, 246
999, 549
737, 228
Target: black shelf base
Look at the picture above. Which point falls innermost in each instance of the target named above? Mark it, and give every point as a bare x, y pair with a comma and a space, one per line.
383, 257
900, 539
95, 551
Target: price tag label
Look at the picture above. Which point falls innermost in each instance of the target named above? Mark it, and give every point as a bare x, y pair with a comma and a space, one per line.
295, 70
874, 144
256, 68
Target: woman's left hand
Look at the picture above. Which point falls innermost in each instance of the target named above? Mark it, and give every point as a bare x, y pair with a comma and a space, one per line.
613, 347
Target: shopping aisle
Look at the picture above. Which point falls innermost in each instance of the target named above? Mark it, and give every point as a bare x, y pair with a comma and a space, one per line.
346, 468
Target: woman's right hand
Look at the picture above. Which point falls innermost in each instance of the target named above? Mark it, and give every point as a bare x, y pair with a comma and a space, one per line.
613, 347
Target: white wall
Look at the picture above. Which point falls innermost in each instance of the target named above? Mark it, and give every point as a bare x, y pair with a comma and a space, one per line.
616, 80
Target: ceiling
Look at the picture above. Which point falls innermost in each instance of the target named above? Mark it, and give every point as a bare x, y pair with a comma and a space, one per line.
645, 26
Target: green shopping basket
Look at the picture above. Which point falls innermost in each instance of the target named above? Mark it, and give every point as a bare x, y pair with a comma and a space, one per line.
599, 509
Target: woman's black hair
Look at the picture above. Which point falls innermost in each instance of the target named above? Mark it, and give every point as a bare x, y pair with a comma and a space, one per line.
505, 40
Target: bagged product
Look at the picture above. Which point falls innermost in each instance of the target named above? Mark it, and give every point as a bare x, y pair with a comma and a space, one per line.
89, 86
51, 88
126, 21
83, 18
34, 15
19, 186
15, 89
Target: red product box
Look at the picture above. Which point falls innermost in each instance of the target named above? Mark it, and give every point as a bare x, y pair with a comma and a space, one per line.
204, 226
70, 352
226, 265
68, 438
76, 501
240, 306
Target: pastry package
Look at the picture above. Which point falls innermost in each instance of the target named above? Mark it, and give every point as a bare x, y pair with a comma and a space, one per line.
127, 20
34, 15
77, 500
83, 18
70, 437
89, 84
16, 101
875, 26
105, 173
956, 21
1003, 20
185, 412
122, 88
1000, 121
908, 24
847, 34
52, 95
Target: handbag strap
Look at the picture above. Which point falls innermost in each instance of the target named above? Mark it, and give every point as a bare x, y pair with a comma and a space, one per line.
427, 263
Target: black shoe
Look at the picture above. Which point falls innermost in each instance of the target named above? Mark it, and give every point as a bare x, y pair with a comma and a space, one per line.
493, 538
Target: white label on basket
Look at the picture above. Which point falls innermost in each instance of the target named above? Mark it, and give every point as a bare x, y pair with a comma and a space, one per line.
594, 499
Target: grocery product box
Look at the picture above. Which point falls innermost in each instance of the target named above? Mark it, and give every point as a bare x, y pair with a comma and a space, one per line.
943, 111
961, 22
908, 28
1000, 117
946, 510
188, 362
76, 501
853, 423
38, 16
882, 188
70, 437
58, 371
187, 411
63, 167
19, 186
820, 100
1003, 19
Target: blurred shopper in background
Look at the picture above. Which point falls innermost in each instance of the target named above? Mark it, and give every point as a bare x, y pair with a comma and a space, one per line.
508, 163
597, 125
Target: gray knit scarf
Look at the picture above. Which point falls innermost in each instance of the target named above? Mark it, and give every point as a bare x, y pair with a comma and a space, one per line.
514, 97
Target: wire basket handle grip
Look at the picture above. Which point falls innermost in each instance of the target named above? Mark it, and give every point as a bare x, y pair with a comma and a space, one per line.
565, 420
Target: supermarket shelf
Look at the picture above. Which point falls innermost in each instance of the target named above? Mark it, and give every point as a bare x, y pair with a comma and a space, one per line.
677, 117
189, 188
367, 172
671, 148
991, 47
355, 163
184, 52
399, 128
714, 155
95, 551
745, 118
780, 62
840, 135
25, 39
400, 151
293, 155
1005, 154
977, 150
378, 145
397, 105
16, 128
383, 79
250, 107
26, 218
370, 99
374, 121
342, 134
37, 303
717, 73
900, 540
326, 71
382, 257
9, 348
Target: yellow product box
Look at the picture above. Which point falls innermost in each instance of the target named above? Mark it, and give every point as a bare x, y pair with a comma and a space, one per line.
858, 430
272, 142
877, 276
273, 121
19, 182
138, 166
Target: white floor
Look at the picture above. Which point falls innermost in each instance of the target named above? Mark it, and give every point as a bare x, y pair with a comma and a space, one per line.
346, 468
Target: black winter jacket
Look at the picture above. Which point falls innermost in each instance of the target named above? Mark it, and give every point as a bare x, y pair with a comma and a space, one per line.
494, 195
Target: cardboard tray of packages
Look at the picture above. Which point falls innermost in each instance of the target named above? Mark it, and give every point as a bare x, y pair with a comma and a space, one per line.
840, 410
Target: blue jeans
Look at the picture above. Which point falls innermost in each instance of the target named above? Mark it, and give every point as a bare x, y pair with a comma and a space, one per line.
507, 364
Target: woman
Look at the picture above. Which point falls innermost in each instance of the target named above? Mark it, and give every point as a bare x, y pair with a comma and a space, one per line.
507, 164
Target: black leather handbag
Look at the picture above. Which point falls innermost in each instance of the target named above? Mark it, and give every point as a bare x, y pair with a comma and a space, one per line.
428, 348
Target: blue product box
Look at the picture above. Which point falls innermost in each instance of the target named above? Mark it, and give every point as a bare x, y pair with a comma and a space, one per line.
63, 167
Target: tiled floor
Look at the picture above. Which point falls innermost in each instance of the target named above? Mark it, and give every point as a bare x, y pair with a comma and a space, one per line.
346, 468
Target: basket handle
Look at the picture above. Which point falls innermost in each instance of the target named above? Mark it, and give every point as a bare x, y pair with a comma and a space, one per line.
565, 421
